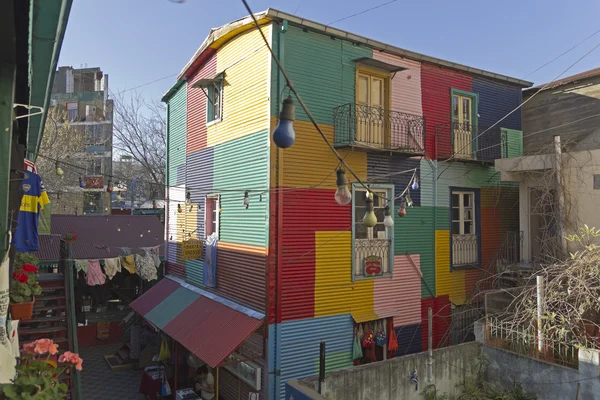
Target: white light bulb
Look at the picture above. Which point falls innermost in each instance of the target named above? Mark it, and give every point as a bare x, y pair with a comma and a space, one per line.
388, 221
342, 195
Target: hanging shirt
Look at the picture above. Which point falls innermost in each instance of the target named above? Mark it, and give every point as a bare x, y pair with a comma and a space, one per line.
34, 199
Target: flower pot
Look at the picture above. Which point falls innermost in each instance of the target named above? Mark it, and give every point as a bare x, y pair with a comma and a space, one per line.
21, 310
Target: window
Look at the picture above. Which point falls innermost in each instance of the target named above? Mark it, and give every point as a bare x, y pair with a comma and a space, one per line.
213, 110
465, 235
72, 113
93, 202
464, 122
371, 103
94, 167
212, 215
372, 247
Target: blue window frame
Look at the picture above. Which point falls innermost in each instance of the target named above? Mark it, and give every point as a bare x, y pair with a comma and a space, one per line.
465, 228
372, 246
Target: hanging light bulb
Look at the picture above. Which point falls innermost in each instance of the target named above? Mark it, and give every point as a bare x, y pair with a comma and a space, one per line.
91, 203
179, 208
284, 135
388, 221
59, 170
171, 237
370, 219
81, 182
402, 209
118, 197
191, 207
415, 185
343, 195
105, 208
155, 237
109, 186
188, 196
148, 230
246, 200
118, 228
141, 234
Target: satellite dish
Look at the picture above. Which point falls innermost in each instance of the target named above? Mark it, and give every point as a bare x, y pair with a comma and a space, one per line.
194, 362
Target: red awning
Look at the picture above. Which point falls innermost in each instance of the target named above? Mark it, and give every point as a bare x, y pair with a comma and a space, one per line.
209, 329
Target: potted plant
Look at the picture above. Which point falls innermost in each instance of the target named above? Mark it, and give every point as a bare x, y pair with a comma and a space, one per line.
70, 237
39, 372
23, 289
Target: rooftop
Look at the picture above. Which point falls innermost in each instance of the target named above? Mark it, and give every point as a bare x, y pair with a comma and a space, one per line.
592, 73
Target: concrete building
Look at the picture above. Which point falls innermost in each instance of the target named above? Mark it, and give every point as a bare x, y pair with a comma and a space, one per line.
83, 94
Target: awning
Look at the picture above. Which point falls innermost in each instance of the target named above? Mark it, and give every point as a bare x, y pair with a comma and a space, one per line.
366, 316
208, 82
373, 63
207, 325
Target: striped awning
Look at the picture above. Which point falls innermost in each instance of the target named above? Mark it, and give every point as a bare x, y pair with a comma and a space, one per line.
207, 325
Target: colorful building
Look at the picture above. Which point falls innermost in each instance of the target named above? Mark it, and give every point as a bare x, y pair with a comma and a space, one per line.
415, 129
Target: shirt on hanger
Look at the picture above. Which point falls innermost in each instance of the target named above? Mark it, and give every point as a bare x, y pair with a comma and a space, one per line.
34, 199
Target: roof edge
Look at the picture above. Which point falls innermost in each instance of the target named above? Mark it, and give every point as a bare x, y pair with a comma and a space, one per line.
169, 93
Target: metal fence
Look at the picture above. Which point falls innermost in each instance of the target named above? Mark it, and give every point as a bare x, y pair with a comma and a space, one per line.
368, 254
465, 250
469, 142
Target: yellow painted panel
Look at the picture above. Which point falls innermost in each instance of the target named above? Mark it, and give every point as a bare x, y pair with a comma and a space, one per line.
310, 161
191, 221
450, 283
335, 293
245, 60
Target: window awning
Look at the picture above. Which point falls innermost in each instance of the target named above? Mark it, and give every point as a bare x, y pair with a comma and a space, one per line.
207, 325
373, 63
209, 82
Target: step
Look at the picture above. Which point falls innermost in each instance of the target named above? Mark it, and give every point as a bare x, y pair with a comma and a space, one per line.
38, 320
46, 289
50, 329
48, 308
50, 297
50, 277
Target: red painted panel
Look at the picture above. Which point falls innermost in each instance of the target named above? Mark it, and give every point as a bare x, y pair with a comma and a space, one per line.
174, 269
196, 106
491, 240
241, 276
436, 83
426, 304
442, 317
154, 296
87, 336
305, 211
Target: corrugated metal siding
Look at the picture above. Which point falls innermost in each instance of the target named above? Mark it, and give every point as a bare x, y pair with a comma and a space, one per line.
406, 85
245, 60
176, 225
298, 245
409, 338
401, 293
427, 182
512, 143
383, 168
497, 99
174, 269
232, 388
241, 165
200, 183
300, 345
176, 136
442, 221
196, 107
436, 83
322, 71
441, 321
241, 276
335, 293
414, 234
451, 283
297, 172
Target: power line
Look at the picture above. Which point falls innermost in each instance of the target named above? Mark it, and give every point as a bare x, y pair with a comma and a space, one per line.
362, 12
145, 84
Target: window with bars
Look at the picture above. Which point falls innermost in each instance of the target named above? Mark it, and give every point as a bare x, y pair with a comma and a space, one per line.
465, 237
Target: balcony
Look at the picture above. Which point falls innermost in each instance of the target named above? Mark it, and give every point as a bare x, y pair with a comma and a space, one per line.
468, 142
373, 128
465, 250
371, 257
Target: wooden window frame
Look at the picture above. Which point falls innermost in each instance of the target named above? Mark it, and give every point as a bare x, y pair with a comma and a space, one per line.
210, 105
387, 94
476, 226
216, 213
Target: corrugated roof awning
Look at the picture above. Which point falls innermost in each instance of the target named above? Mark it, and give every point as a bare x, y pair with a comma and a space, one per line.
208, 326
373, 63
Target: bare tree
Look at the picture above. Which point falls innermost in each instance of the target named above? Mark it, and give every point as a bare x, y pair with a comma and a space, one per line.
140, 132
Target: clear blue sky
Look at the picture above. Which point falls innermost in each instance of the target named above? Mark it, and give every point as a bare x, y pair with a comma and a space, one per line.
137, 41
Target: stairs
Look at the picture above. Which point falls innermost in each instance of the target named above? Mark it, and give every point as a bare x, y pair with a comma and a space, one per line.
50, 318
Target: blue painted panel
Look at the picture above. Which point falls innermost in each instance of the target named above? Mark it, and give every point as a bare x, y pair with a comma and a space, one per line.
300, 341
199, 181
383, 168
409, 339
168, 309
194, 272
496, 99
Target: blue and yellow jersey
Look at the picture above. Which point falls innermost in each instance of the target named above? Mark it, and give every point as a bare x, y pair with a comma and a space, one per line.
34, 199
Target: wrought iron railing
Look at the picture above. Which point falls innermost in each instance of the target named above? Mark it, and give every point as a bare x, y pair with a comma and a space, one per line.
465, 250
371, 257
376, 128
469, 142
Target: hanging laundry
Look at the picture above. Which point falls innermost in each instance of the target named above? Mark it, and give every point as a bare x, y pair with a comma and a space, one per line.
81, 265
125, 250
155, 253
7, 360
128, 263
112, 266
145, 267
102, 247
34, 199
95, 276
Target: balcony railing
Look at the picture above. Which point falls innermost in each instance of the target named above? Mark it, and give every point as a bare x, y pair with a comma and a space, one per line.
371, 257
465, 250
375, 128
469, 142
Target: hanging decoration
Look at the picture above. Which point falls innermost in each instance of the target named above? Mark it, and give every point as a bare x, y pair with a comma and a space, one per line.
188, 196
415, 184
284, 135
119, 198
402, 209
179, 208
81, 182
388, 221
109, 186
409, 201
246, 200
370, 219
192, 249
343, 195
59, 170
141, 234
118, 228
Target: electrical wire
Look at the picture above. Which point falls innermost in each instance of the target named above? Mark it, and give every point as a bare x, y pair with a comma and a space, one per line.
362, 12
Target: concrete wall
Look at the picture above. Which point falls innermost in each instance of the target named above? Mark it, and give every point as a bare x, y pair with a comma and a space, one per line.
390, 379
549, 381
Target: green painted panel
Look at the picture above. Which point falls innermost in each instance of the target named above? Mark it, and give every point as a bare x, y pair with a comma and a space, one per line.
322, 69
512, 143
335, 361
415, 234
194, 272
442, 221
242, 165
177, 133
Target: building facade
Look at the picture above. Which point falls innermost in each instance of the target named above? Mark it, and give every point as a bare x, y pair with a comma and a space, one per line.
417, 132
83, 95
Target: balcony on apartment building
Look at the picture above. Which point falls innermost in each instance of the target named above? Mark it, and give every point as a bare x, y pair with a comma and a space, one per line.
377, 129
476, 143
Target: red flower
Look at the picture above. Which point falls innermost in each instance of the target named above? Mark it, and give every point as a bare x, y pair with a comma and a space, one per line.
23, 278
30, 268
